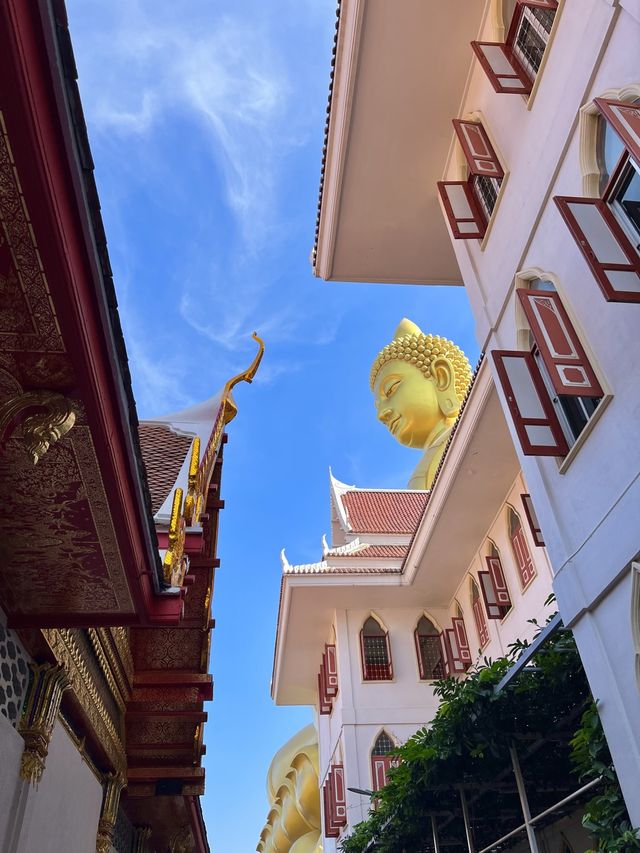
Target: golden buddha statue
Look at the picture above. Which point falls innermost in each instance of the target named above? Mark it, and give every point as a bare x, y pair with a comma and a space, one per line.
419, 383
293, 823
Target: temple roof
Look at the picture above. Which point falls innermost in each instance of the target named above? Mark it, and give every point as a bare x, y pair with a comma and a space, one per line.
163, 452
166, 443
377, 511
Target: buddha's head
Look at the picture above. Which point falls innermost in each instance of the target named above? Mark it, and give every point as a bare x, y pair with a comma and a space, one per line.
419, 382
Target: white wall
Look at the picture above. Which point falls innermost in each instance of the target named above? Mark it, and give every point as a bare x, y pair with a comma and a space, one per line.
11, 748
64, 812
589, 512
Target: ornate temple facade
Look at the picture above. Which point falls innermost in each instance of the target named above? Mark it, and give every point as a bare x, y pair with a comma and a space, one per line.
108, 527
505, 146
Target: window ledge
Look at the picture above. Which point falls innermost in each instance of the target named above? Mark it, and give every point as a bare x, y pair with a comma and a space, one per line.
563, 465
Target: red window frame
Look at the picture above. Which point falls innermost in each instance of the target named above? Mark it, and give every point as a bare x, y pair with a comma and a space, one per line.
474, 219
520, 546
376, 672
532, 518
624, 118
481, 623
441, 667
549, 421
559, 344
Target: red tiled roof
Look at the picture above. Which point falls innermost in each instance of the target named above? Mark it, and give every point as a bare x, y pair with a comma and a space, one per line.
163, 452
384, 512
396, 552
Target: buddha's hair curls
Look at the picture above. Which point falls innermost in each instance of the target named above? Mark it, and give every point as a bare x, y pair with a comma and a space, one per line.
422, 350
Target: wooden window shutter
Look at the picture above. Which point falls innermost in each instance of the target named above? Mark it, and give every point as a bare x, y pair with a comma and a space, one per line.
494, 610
625, 120
453, 662
477, 149
481, 625
461, 639
463, 213
323, 703
494, 564
338, 796
421, 666
532, 518
330, 670
535, 421
380, 766
506, 74
330, 831
610, 254
559, 345
526, 569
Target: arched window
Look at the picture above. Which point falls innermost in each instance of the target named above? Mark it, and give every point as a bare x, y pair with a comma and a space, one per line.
521, 552
381, 761
607, 229
376, 654
429, 650
478, 614
552, 390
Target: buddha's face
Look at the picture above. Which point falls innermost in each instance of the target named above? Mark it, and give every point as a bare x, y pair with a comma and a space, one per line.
409, 403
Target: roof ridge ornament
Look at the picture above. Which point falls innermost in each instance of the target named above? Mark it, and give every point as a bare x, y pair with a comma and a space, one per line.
248, 375
200, 470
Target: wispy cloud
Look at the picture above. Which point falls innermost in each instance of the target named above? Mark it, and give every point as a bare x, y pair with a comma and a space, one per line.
223, 72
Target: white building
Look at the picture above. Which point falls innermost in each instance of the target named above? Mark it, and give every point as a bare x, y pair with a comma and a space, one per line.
538, 215
397, 601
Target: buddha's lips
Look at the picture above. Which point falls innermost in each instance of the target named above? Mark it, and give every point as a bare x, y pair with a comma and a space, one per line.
393, 426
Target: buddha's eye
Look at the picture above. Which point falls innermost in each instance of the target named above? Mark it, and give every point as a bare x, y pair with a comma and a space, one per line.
391, 387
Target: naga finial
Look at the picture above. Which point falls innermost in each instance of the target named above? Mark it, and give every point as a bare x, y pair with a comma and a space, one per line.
248, 375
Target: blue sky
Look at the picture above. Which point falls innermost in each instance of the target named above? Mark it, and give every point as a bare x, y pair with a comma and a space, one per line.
206, 121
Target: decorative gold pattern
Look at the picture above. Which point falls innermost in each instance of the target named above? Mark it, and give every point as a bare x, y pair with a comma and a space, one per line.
113, 677
141, 835
67, 652
181, 841
27, 263
113, 785
121, 639
175, 563
39, 430
193, 500
39, 716
167, 648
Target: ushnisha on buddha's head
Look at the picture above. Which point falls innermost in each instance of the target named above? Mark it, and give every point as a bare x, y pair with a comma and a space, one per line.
419, 383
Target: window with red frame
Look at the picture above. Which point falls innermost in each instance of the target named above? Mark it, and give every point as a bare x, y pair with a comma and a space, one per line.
521, 552
513, 65
551, 391
381, 761
334, 802
493, 585
376, 654
607, 229
469, 204
478, 615
429, 650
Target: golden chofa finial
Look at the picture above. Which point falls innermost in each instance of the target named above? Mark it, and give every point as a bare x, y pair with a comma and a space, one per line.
230, 408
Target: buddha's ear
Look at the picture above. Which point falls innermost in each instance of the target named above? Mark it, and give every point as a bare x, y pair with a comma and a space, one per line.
444, 380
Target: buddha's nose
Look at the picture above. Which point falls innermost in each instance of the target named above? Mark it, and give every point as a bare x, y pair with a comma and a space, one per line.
384, 415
